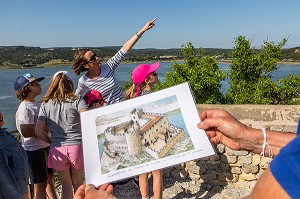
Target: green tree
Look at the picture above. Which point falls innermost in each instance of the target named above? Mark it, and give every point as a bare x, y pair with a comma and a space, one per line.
288, 90
202, 73
250, 76
250, 79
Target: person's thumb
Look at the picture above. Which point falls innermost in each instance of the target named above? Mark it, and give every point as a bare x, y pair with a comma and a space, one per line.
208, 123
90, 187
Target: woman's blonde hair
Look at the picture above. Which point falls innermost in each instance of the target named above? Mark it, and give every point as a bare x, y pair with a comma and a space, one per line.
79, 61
130, 93
61, 89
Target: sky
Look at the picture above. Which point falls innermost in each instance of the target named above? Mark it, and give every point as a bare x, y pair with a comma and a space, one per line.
96, 23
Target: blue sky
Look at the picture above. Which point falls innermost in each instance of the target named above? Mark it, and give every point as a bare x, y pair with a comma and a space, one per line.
96, 23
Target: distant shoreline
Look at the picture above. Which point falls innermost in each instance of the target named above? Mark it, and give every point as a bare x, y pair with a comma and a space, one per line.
70, 64
282, 62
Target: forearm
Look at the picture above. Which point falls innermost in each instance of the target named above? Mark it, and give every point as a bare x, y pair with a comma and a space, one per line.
27, 130
275, 139
43, 136
40, 131
132, 41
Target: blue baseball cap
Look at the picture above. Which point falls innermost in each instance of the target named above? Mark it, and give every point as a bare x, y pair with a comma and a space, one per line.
24, 80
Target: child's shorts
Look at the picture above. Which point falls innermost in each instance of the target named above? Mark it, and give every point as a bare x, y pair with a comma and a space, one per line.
64, 157
38, 170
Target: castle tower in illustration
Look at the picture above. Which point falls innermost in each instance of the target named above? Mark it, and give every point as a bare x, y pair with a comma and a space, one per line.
150, 132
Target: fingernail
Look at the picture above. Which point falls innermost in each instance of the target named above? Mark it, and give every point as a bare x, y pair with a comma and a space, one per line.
200, 125
90, 186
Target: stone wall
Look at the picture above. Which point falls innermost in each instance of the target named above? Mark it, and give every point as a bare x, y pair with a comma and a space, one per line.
232, 174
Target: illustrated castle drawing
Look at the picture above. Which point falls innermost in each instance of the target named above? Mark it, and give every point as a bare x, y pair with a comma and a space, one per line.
149, 132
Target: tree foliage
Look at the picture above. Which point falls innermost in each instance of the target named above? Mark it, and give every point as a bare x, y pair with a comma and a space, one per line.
202, 73
250, 79
288, 90
249, 73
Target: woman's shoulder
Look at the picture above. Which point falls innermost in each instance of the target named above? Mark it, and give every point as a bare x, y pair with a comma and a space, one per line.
84, 77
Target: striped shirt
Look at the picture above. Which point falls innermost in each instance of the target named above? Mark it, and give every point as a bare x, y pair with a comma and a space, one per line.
106, 82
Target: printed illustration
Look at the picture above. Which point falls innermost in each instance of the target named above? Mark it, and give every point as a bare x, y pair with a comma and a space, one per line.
142, 134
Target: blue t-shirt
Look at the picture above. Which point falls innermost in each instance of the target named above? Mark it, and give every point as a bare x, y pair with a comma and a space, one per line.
286, 167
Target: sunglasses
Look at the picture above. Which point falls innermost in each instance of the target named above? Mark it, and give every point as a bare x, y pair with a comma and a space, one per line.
92, 58
100, 101
154, 74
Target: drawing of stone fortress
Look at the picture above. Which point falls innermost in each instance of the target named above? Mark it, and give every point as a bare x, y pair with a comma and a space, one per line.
150, 132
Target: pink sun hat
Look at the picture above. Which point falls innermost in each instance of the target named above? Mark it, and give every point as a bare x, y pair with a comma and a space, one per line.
141, 72
93, 95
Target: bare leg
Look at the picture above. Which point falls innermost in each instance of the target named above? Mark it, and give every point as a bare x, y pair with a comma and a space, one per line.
157, 184
143, 182
76, 178
50, 190
40, 190
66, 184
27, 195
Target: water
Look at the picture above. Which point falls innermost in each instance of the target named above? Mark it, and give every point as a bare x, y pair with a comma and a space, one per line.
177, 119
9, 103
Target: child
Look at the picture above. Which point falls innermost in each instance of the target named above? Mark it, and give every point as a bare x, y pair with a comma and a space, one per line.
59, 111
27, 88
99, 76
144, 77
13, 164
94, 99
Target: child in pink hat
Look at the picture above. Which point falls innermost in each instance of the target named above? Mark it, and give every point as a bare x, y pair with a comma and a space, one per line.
94, 99
144, 77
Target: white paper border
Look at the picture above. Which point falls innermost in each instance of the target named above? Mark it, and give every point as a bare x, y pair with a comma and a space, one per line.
189, 112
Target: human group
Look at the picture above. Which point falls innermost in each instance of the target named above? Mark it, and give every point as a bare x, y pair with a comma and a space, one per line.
51, 134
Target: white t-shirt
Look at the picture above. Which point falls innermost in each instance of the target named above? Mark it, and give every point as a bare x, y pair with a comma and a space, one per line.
27, 113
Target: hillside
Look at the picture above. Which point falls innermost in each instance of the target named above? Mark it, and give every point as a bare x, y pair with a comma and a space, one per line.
23, 56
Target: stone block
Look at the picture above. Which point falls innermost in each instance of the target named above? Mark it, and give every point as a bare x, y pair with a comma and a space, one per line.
225, 177
192, 167
179, 174
228, 158
229, 151
194, 177
208, 177
256, 158
247, 177
220, 148
236, 170
250, 168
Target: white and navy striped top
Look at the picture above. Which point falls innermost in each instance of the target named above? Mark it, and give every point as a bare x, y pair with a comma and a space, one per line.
106, 83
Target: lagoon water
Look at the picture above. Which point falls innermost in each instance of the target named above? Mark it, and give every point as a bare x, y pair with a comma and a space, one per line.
9, 103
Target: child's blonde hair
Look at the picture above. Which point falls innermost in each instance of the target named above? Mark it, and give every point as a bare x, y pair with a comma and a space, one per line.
131, 92
61, 89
